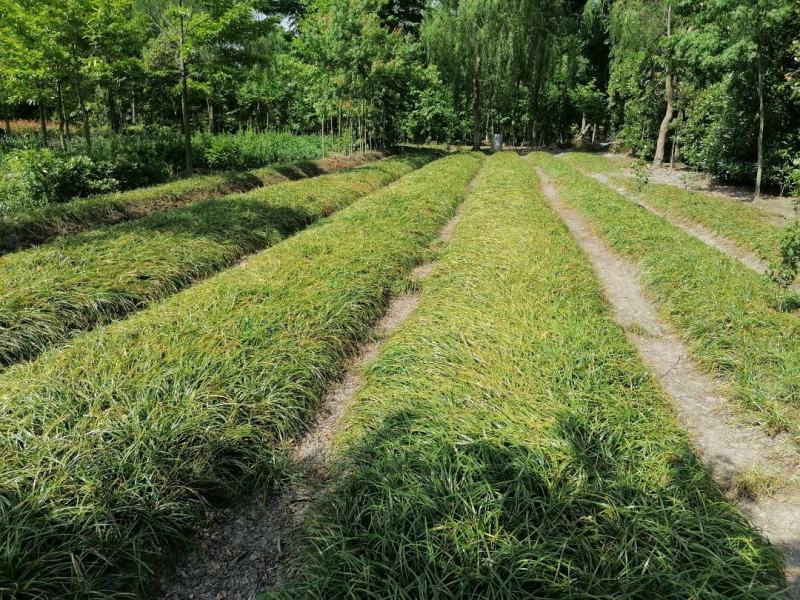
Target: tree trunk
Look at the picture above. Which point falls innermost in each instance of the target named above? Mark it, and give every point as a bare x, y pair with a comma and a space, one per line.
62, 117
187, 128
594, 133
63, 111
113, 119
760, 167
8, 125
476, 102
42, 125
210, 108
133, 108
661, 143
87, 132
584, 124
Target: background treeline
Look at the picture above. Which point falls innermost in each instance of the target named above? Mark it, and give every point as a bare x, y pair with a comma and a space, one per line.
714, 83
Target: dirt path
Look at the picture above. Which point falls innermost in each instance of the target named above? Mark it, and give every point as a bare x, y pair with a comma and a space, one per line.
721, 243
729, 449
247, 549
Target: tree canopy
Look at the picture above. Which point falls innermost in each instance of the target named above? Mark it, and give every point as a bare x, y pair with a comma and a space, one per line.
714, 83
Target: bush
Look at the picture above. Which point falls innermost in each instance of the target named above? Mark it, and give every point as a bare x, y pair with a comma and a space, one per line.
38, 177
34, 177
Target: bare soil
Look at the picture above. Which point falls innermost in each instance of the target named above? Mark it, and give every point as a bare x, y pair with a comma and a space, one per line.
729, 448
248, 548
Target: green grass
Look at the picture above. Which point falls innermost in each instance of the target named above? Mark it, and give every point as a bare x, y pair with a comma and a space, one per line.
737, 323
39, 225
508, 442
597, 163
80, 281
743, 223
112, 445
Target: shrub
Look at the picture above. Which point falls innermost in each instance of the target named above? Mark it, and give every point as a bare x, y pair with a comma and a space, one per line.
248, 150
34, 177
39, 177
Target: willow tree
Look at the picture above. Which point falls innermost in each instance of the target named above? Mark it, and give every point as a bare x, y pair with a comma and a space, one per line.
511, 46
461, 36
534, 29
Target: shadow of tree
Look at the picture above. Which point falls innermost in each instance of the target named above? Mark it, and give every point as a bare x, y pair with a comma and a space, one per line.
431, 513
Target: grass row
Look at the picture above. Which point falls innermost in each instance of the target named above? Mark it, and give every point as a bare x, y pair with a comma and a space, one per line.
112, 445
80, 281
736, 322
39, 225
508, 442
743, 223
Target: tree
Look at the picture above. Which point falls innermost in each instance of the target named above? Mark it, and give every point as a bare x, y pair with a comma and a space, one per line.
753, 33
460, 36
642, 38
190, 31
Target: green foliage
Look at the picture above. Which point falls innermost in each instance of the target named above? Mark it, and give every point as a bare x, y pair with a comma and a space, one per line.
249, 150
113, 446
36, 226
38, 177
509, 443
786, 271
641, 173
718, 134
432, 117
35, 178
716, 51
